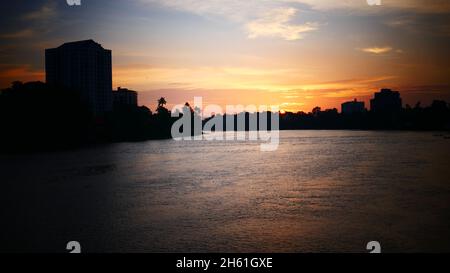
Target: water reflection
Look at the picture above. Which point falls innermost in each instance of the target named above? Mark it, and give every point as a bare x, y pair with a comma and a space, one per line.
320, 191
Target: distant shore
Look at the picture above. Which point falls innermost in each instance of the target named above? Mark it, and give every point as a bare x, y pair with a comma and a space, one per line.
36, 117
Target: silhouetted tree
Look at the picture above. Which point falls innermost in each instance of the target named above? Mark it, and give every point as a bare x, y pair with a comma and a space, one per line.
316, 111
162, 111
417, 106
35, 116
162, 102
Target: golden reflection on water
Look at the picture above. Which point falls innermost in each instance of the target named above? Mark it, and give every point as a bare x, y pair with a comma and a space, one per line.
321, 191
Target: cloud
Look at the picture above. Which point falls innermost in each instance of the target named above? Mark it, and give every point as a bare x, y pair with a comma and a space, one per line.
425, 24
19, 72
237, 77
258, 18
420, 6
38, 21
234, 10
20, 34
239, 8
348, 83
276, 24
271, 18
46, 12
377, 50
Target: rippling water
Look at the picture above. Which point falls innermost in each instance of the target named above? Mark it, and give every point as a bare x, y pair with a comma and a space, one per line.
321, 191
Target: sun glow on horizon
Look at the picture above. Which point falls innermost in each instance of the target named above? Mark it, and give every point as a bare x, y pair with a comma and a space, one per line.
297, 54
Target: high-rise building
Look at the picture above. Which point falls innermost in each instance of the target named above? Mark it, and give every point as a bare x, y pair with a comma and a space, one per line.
125, 97
85, 67
386, 101
352, 107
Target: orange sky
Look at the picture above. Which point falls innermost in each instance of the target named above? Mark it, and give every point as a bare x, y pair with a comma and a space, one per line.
297, 54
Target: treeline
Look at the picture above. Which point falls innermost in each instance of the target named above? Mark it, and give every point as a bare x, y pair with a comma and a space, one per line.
434, 117
37, 117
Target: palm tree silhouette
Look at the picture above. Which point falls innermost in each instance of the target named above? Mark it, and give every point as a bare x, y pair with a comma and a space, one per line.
161, 109
161, 102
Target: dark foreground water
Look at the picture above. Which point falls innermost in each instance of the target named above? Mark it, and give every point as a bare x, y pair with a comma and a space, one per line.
320, 191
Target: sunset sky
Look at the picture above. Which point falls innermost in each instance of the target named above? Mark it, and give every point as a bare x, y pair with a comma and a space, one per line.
293, 53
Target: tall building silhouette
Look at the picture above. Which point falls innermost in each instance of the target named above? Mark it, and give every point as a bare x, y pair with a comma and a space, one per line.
352, 107
125, 97
386, 101
83, 66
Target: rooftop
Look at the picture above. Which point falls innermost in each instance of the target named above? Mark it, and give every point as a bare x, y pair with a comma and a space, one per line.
89, 42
